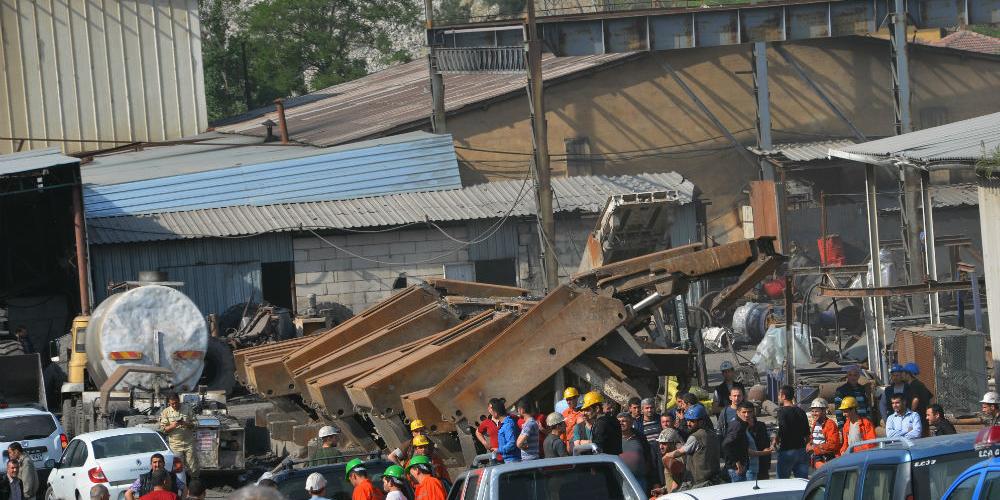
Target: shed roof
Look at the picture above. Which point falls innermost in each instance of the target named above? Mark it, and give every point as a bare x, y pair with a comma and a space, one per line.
970, 41
805, 151
960, 143
482, 201
223, 173
942, 196
397, 98
26, 161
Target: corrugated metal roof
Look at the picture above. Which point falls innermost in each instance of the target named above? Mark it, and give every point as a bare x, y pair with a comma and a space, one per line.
27, 161
246, 175
961, 142
396, 97
942, 196
809, 151
482, 201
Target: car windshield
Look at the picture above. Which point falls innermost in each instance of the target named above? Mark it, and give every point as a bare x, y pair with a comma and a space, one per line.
933, 476
127, 444
564, 482
26, 427
337, 486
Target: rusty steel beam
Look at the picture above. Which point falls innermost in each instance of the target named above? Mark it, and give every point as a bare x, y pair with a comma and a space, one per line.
379, 390
326, 391
419, 324
634, 265
267, 364
754, 273
473, 289
563, 325
376, 317
893, 291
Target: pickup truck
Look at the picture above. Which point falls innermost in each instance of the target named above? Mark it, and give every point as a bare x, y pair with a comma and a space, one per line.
581, 477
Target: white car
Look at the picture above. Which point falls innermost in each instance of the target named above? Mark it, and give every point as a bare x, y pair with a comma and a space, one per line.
39, 433
768, 489
113, 457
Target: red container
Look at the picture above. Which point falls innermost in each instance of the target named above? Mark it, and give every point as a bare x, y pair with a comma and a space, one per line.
831, 250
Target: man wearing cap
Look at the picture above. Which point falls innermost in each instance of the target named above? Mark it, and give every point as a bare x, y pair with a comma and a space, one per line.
428, 486
897, 385
701, 449
825, 441
727, 384
920, 394
571, 417
673, 468
856, 428
554, 446
605, 431
405, 452
363, 487
862, 394
328, 452
316, 486
991, 409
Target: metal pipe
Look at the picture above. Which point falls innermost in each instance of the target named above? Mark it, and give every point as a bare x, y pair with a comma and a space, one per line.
930, 252
279, 105
789, 337
877, 345
763, 95
80, 236
650, 300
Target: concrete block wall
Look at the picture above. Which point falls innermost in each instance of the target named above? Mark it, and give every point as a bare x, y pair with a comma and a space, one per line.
571, 238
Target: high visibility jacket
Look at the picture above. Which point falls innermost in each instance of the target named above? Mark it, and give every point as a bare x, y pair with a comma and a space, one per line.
866, 429
430, 489
365, 490
570, 416
825, 438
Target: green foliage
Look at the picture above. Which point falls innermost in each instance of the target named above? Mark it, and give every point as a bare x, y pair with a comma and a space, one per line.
988, 163
255, 52
986, 29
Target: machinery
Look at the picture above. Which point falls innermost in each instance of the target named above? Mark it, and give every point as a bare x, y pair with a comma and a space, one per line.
140, 343
434, 351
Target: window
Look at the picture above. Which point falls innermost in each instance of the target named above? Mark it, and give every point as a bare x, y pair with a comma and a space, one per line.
277, 283
933, 476
128, 444
879, 481
497, 272
456, 490
470, 490
79, 456
991, 487
817, 493
26, 427
564, 482
844, 485
67, 455
965, 489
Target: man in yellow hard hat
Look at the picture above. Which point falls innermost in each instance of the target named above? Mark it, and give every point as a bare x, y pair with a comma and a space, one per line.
605, 431
405, 452
856, 428
424, 446
570, 416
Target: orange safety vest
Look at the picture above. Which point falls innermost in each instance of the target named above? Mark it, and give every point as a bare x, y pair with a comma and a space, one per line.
365, 490
867, 432
570, 416
430, 488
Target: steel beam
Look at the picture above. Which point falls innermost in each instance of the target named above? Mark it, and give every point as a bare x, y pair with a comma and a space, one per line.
265, 362
763, 96
876, 346
894, 291
930, 250
449, 287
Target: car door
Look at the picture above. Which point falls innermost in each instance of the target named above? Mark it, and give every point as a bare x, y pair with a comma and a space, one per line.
61, 479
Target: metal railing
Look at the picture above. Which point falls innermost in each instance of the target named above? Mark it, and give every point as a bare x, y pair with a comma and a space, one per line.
481, 60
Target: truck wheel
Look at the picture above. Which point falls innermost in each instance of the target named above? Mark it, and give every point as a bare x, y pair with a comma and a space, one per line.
68, 418
10, 348
219, 373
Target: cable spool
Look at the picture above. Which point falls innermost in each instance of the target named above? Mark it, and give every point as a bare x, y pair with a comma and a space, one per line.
750, 322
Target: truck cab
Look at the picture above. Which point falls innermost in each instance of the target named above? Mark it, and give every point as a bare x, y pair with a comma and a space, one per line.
982, 480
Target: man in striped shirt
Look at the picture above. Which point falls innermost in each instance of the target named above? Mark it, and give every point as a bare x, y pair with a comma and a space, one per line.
529, 438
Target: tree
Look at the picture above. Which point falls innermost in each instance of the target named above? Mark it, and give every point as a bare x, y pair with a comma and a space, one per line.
222, 60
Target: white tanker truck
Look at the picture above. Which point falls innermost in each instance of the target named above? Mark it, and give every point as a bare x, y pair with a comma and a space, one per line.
137, 346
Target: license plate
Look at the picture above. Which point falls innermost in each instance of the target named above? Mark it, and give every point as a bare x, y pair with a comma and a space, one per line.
37, 457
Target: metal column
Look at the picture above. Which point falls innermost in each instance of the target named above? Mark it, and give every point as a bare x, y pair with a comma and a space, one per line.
80, 235
762, 94
929, 251
438, 125
876, 346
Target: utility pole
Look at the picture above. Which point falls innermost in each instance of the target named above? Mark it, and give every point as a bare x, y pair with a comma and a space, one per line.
543, 174
438, 125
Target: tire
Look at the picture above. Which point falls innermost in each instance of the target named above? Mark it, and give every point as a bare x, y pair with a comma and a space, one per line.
10, 348
219, 373
49, 494
229, 320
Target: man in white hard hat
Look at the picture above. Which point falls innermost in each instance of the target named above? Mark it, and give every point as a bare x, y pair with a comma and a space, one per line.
825, 441
991, 409
316, 486
554, 446
328, 452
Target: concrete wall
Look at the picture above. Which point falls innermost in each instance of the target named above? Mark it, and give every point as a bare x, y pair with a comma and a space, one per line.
335, 275
636, 106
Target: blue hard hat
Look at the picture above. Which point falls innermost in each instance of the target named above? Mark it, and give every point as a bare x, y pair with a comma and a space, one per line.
696, 412
912, 368
896, 368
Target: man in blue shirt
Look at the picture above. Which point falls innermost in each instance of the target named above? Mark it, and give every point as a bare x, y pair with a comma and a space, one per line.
508, 433
903, 422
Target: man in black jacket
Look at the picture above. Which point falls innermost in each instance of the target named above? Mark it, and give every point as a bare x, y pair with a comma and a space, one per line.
938, 425
144, 483
10, 485
736, 446
606, 432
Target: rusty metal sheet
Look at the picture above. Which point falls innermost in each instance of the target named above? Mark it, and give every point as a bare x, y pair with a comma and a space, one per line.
419, 324
251, 363
625, 35
712, 29
379, 390
808, 21
762, 25
671, 32
572, 319
763, 267
723, 259
475, 290
326, 391
379, 315
633, 265
892, 291
852, 18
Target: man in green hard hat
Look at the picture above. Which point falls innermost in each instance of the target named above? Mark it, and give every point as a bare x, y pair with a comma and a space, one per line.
363, 487
428, 487
395, 484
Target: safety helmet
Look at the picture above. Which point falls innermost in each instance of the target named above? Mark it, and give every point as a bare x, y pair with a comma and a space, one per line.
394, 471
848, 403
423, 460
991, 398
591, 398
695, 412
912, 368
570, 392
355, 464
818, 403
416, 424
669, 435
726, 365
327, 431
315, 482
421, 440
896, 369
554, 419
